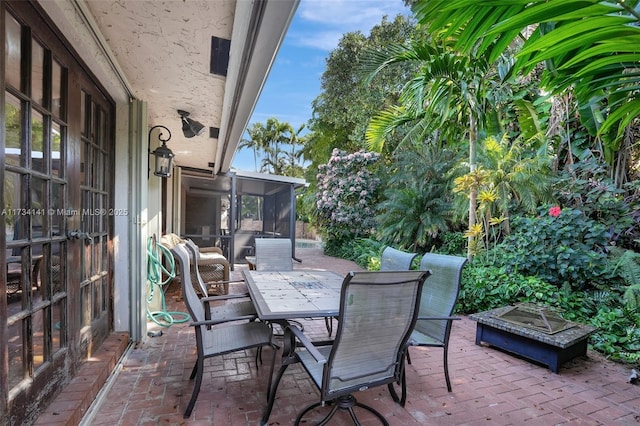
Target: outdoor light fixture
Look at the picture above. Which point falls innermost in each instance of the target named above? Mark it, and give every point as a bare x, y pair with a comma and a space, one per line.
190, 127
164, 156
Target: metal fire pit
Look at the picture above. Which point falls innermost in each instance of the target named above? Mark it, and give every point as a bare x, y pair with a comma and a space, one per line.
537, 333
536, 317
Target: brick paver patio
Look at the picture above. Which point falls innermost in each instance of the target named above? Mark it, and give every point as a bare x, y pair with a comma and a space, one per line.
489, 387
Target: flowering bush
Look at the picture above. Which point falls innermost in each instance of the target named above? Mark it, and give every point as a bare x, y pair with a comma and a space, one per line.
561, 246
347, 192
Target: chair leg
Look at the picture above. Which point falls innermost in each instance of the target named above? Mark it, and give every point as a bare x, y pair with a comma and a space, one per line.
402, 399
446, 368
328, 322
198, 369
408, 357
346, 402
194, 371
271, 391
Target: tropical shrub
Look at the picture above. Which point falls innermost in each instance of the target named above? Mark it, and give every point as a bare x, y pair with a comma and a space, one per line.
560, 246
618, 334
488, 287
346, 196
587, 186
417, 198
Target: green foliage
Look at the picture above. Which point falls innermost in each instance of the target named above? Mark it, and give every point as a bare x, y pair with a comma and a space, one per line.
567, 250
277, 144
589, 46
618, 334
364, 251
488, 287
627, 266
587, 186
454, 243
417, 197
343, 109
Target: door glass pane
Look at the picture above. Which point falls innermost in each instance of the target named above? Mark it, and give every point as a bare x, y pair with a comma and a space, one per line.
38, 208
58, 340
38, 322
83, 154
104, 217
12, 204
86, 262
105, 292
57, 161
14, 281
57, 212
37, 72
57, 269
13, 140
83, 122
38, 159
38, 273
96, 300
56, 94
12, 48
16, 353
97, 256
85, 299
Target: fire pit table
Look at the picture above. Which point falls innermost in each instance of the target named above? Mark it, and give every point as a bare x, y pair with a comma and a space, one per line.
534, 333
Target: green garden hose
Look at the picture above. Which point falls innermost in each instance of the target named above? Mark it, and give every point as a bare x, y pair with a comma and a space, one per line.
155, 269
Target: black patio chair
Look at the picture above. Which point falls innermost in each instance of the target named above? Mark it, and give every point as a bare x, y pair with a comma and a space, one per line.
433, 327
216, 337
377, 313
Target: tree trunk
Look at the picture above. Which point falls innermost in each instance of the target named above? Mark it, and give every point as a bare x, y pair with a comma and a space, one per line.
473, 195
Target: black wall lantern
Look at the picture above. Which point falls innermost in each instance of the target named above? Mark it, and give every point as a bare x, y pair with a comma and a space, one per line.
163, 155
190, 127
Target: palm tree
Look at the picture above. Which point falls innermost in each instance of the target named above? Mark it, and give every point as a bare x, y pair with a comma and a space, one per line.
266, 138
253, 142
588, 46
448, 90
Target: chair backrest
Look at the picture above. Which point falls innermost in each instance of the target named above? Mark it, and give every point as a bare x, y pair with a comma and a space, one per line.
181, 256
440, 298
396, 260
194, 254
377, 313
273, 254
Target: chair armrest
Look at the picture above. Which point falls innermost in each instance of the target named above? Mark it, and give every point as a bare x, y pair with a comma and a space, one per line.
304, 340
224, 297
439, 318
210, 250
214, 322
223, 282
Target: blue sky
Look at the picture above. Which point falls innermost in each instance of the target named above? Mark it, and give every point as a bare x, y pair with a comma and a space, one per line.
294, 80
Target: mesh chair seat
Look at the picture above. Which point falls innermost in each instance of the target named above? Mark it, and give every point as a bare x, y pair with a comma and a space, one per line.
228, 338
420, 339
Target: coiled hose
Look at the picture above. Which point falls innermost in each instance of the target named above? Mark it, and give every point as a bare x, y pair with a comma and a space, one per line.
155, 270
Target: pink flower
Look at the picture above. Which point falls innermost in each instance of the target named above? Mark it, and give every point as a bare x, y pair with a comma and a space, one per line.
555, 211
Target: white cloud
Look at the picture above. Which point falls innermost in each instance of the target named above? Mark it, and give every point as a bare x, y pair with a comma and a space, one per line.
325, 21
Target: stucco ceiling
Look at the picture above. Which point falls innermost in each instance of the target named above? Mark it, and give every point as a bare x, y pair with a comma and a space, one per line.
162, 51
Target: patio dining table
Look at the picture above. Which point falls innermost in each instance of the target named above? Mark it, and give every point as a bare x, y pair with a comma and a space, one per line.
280, 296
